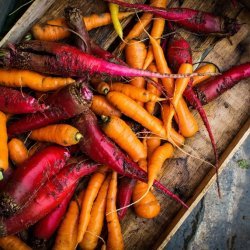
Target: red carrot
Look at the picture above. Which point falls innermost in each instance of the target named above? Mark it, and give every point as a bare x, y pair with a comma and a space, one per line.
15, 102
47, 198
64, 104
99, 148
125, 190
29, 177
214, 87
193, 20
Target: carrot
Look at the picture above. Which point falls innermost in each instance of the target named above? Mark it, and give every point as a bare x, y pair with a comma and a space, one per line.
115, 239
103, 88
17, 151
4, 162
62, 134
153, 142
148, 207
31, 79
203, 69
100, 106
116, 129
50, 31
94, 229
156, 161
13, 243
88, 200
114, 12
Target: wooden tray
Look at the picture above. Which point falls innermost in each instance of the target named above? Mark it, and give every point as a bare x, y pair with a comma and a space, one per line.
228, 115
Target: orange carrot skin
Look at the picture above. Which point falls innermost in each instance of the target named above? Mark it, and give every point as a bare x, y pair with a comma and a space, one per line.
103, 88
115, 239
153, 142
17, 151
203, 69
12, 242
4, 162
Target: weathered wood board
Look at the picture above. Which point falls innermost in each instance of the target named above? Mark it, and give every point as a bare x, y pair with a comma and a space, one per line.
183, 174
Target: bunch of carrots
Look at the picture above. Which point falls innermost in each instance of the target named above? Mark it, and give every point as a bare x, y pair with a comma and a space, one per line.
64, 126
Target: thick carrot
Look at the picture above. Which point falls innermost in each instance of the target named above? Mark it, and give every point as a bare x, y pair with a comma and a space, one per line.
103, 88
88, 200
62, 134
17, 151
115, 239
50, 31
203, 69
31, 79
117, 130
4, 162
156, 161
100, 106
13, 243
114, 12
94, 229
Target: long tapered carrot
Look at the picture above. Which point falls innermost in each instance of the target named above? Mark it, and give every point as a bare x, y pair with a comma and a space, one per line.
94, 229
4, 162
114, 12
152, 142
115, 239
17, 151
203, 69
31, 79
12, 242
88, 200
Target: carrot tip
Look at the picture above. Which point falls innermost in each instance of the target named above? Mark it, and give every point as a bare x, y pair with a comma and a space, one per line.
1, 175
78, 136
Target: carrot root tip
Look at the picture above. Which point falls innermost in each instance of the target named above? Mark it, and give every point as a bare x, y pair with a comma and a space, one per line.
78, 136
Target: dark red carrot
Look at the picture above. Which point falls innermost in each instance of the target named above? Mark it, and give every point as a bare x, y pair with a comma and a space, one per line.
16, 102
46, 227
125, 190
64, 104
47, 198
101, 149
214, 87
29, 177
193, 20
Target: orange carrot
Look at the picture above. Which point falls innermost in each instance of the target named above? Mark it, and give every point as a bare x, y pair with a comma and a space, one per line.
17, 151
203, 69
152, 142
116, 129
62, 134
103, 88
94, 229
12, 242
115, 239
100, 106
88, 200
156, 161
4, 162
31, 79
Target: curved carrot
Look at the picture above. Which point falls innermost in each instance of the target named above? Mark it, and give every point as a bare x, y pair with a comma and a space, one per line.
103, 88
101, 106
94, 229
116, 129
12, 242
62, 134
152, 142
4, 162
17, 151
114, 12
115, 239
203, 69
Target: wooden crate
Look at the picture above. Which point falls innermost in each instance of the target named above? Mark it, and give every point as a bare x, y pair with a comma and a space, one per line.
228, 115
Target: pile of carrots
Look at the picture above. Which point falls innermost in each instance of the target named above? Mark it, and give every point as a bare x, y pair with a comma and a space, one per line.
64, 126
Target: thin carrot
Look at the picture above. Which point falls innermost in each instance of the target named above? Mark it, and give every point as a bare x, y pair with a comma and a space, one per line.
31, 79
17, 151
116, 129
12, 242
100, 106
152, 142
62, 134
88, 200
57, 29
156, 161
114, 12
115, 239
4, 162
94, 229
203, 69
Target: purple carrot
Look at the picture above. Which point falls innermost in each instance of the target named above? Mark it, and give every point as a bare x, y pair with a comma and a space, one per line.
64, 104
101, 149
214, 87
29, 177
47, 198
125, 190
197, 21
15, 102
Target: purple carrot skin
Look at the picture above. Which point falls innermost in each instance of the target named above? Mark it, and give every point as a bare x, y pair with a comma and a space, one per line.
48, 198
64, 104
65, 60
101, 149
125, 190
46, 227
196, 21
16, 102
213, 88
29, 177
